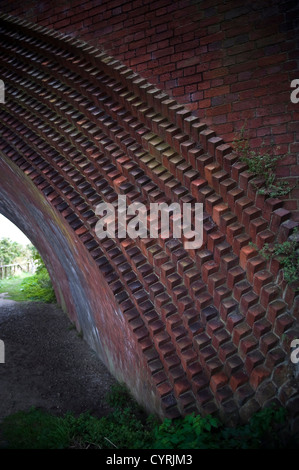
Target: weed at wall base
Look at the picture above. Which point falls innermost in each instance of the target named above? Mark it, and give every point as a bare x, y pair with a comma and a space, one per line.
128, 427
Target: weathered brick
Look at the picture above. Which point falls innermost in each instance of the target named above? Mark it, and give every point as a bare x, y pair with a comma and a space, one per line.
253, 359
125, 131
275, 309
258, 374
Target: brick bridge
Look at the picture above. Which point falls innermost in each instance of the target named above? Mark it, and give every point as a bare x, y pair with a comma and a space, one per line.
206, 330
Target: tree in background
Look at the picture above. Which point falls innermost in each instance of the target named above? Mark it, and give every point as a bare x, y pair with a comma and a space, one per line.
37, 286
12, 252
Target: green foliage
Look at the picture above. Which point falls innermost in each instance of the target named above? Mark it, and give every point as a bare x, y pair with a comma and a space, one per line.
190, 432
288, 255
39, 286
121, 429
127, 427
29, 287
13, 287
11, 252
196, 432
35, 430
261, 164
36, 257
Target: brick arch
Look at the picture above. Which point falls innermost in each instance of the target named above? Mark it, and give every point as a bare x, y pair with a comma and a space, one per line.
206, 330
230, 63
79, 284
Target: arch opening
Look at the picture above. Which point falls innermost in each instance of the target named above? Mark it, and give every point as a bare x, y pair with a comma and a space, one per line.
79, 286
23, 273
176, 325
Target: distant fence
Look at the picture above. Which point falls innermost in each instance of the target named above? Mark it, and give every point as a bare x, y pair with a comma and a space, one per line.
8, 270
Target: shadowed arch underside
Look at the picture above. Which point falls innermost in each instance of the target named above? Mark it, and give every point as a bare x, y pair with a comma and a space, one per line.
206, 330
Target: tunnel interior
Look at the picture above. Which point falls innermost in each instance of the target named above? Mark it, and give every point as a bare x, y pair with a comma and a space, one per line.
205, 330
77, 282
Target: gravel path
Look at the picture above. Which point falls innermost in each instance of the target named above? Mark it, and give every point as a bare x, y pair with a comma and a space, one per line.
47, 364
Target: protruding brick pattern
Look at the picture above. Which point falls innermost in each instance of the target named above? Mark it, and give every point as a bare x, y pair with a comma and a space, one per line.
228, 63
85, 128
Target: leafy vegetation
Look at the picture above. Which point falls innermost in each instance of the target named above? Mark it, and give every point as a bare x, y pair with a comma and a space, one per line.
37, 287
13, 252
288, 255
128, 427
262, 165
196, 432
190, 432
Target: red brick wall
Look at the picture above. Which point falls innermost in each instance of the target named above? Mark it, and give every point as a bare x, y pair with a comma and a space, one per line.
207, 329
227, 61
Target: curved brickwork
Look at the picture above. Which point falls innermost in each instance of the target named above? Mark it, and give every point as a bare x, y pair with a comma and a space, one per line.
211, 327
231, 63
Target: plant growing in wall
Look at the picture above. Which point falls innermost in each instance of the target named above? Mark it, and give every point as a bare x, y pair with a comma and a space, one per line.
287, 254
263, 165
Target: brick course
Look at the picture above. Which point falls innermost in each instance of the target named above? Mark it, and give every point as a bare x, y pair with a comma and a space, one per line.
228, 63
95, 130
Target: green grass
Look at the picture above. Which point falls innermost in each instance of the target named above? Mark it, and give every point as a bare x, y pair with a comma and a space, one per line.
27, 287
39, 286
13, 286
129, 427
